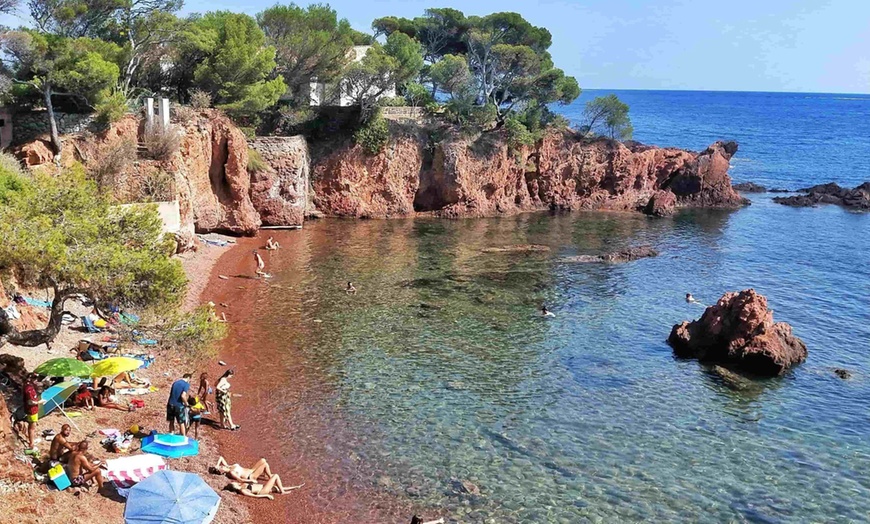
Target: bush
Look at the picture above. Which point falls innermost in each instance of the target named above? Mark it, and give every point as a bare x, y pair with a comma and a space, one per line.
518, 134
111, 160
162, 144
200, 99
373, 135
256, 164
287, 121
417, 95
184, 114
197, 331
12, 177
111, 108
159, 186
392, 101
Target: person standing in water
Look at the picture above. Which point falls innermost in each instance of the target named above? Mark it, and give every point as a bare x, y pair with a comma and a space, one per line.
260, 264
546, 312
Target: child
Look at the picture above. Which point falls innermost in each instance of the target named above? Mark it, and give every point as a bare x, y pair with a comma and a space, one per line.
196, 409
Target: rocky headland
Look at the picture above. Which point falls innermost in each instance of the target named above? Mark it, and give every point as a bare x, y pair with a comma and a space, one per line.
416, 173
831, 193
739, 331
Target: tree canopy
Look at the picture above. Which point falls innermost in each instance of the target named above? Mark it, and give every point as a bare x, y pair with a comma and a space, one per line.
607, 115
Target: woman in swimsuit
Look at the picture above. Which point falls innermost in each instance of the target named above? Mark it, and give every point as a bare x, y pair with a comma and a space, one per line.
252, 489
239, 474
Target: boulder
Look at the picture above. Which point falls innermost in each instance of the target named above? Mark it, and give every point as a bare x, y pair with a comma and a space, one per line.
830, 193
750, 187
35, 153
739, 330
661, 204
280, 191
13, 469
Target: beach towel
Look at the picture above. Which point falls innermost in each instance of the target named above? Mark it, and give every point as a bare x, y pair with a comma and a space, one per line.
127, 471
147, 360
37, 303
129, 319
87, 324
133, 391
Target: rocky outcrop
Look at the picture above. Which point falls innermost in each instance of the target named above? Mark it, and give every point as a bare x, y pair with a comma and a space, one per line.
739, 330
617, 257
35, 153
13, 469
857, 198
462, 177
280, 190
750, 187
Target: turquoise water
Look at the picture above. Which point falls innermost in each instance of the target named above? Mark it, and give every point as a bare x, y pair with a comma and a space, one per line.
440, 368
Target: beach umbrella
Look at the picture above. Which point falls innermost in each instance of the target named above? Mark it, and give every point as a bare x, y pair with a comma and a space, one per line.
63, 367
115, 365
168, 445
171, 497
55, 396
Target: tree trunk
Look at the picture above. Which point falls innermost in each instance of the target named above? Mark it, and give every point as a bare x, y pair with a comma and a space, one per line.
52, 122
36, 337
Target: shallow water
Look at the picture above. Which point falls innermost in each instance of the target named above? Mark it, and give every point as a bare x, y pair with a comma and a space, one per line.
440, 368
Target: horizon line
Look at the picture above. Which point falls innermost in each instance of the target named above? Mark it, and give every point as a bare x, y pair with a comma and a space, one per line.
867, 94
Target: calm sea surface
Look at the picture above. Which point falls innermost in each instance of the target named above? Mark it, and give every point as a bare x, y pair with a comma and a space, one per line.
440, 368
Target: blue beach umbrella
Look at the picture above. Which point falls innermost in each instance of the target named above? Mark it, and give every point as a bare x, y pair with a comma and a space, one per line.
172, 446
171, 497
54, 397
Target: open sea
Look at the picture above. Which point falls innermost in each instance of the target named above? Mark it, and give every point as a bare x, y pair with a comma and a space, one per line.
440, 369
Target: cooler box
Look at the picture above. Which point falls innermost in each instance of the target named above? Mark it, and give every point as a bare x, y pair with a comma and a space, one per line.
59, 477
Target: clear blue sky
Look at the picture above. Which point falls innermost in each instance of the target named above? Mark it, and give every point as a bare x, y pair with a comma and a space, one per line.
741, 45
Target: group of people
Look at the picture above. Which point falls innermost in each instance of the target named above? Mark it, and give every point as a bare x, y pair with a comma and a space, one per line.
184, 410
247, 481
75, 454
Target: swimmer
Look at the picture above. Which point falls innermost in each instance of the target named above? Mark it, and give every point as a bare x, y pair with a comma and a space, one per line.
350, 290
271, 245
546, 312
690, 299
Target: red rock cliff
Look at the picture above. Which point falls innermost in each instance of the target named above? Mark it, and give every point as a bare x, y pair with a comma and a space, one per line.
482, 177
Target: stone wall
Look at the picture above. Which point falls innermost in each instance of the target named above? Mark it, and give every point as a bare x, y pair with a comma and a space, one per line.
403, 114
30, 125
281, 192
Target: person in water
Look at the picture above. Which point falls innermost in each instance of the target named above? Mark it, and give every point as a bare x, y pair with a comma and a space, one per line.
271, 245
253, 489
546, 312
690, 299
236, 472
350, 290
260, 264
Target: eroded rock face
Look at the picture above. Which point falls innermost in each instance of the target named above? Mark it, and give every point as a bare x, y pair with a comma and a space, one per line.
280, 192
464, 177
13, 469
35, 153
831, 193
739, 330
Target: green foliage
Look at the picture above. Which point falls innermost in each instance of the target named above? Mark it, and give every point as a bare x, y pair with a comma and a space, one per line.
392, 101
518, 134
383, 68
256, 164
64, 233
196, 332
12, 178
310, 43
237, 63
440, 31
373, 135
607, 115
416, 95
200, 99
451, 75
110, 108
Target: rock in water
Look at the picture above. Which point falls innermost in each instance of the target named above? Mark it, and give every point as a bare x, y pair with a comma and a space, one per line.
661, 204
750, 187
857, 198
617, 257
740, 330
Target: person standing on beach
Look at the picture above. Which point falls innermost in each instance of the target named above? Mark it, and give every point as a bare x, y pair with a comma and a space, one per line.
260, 264
224, 400
31, 407
176, 406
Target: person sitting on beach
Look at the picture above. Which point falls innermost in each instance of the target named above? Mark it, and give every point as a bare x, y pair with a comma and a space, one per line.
350, 290
83, 398
253, 489
271, 245
106, 399
81, 471
260, 264
236, 472
546, 312
61, 448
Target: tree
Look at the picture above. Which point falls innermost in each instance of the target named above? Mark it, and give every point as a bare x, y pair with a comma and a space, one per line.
607, 115
237, 63
7, 7
381, 69
73, 18
311, 43
82, 68
440, 31
62, 233
144, 25
450, 75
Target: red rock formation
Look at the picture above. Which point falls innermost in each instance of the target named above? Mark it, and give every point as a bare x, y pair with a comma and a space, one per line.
13, 469
35, 153
483, 177
280, 192
740, 330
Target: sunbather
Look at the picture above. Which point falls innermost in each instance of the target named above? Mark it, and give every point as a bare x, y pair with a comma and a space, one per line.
83, 398
272, 245
253, 489
81, 471
238, 473
128, 380
106, 399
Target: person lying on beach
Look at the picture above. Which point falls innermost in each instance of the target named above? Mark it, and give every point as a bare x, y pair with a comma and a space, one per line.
106, 399
271, 245
350, 290
81, 471
239, 474
61, 448
127, 380
546, 312
253, 489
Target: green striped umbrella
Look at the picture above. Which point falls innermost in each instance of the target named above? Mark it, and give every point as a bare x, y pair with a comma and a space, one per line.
64, 367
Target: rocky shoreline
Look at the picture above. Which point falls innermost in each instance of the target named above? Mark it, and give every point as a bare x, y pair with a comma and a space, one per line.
857, 199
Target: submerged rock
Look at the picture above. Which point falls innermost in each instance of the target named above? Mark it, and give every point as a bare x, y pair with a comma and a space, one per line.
616, 257
464, 487
843, 373
750, 187
519, 248
857, 198
739, 330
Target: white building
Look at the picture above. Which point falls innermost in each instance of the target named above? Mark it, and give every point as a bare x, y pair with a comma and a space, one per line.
322, 94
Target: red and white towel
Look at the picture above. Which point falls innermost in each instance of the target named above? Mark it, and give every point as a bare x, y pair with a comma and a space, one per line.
127, 471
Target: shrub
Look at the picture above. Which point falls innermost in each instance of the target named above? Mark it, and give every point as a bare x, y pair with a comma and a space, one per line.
518, 134
162, 144
111, 160
184, 114
417, 95
256, 164
158, 186
111, 108
392, 101
197, 331
200, 99
12, 177
373, 135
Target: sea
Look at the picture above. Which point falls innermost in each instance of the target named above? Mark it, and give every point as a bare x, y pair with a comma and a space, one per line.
438, 389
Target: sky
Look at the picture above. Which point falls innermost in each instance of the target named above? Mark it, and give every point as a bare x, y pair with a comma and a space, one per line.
738, 45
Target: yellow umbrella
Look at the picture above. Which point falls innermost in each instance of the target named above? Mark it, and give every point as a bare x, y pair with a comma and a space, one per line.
115, 365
